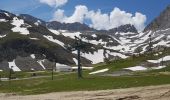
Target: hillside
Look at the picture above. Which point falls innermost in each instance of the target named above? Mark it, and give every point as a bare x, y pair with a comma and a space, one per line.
29, 43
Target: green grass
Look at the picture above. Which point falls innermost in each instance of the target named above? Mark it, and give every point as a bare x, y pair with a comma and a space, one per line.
72, 83
122, 63
26, 74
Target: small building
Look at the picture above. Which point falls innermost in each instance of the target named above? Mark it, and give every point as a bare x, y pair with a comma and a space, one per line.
63, 68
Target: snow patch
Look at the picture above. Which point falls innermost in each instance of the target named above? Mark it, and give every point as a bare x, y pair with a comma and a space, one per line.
50, 38
63, 68
37, 23
156, 54
72, 35
75, 60
3, 20
7, 14
153, 61
127, 33
128, 46
159, 67
2, 36
58, 65
94, 35
168, 37
13, 66
32, 56
18, 26
95, 42
99, 71
136, 68
162, 43
34, 38
54, 31
96, 57
117, 54
41, 63
86, 68
166, 58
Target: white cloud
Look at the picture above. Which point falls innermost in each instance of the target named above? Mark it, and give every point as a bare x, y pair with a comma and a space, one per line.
59, 15
139, 21
101, 20
54, 3
118, 17
77, 16
98, 20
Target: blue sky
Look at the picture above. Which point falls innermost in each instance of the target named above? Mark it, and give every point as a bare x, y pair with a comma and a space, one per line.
150, 8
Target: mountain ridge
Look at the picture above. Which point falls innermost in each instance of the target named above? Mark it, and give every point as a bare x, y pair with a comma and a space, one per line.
21, 37
75, 26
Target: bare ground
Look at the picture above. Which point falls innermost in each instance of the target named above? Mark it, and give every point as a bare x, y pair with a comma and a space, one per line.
140, 93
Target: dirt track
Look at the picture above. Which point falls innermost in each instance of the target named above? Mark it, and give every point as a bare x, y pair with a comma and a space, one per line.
141, 93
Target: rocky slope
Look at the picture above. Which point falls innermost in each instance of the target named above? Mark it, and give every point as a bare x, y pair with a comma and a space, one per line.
161, 22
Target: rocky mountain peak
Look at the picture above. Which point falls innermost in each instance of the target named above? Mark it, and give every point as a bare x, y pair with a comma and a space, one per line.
124, 28
161, 22
6, 15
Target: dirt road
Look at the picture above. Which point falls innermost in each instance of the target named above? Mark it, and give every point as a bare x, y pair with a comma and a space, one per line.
140, 93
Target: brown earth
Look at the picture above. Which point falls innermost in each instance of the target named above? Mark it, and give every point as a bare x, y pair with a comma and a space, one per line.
161, 92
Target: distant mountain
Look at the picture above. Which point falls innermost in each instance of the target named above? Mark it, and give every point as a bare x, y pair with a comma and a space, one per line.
55, 25
124, 29
161, 22
19, 39
69, 26
32, 19
29, 43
